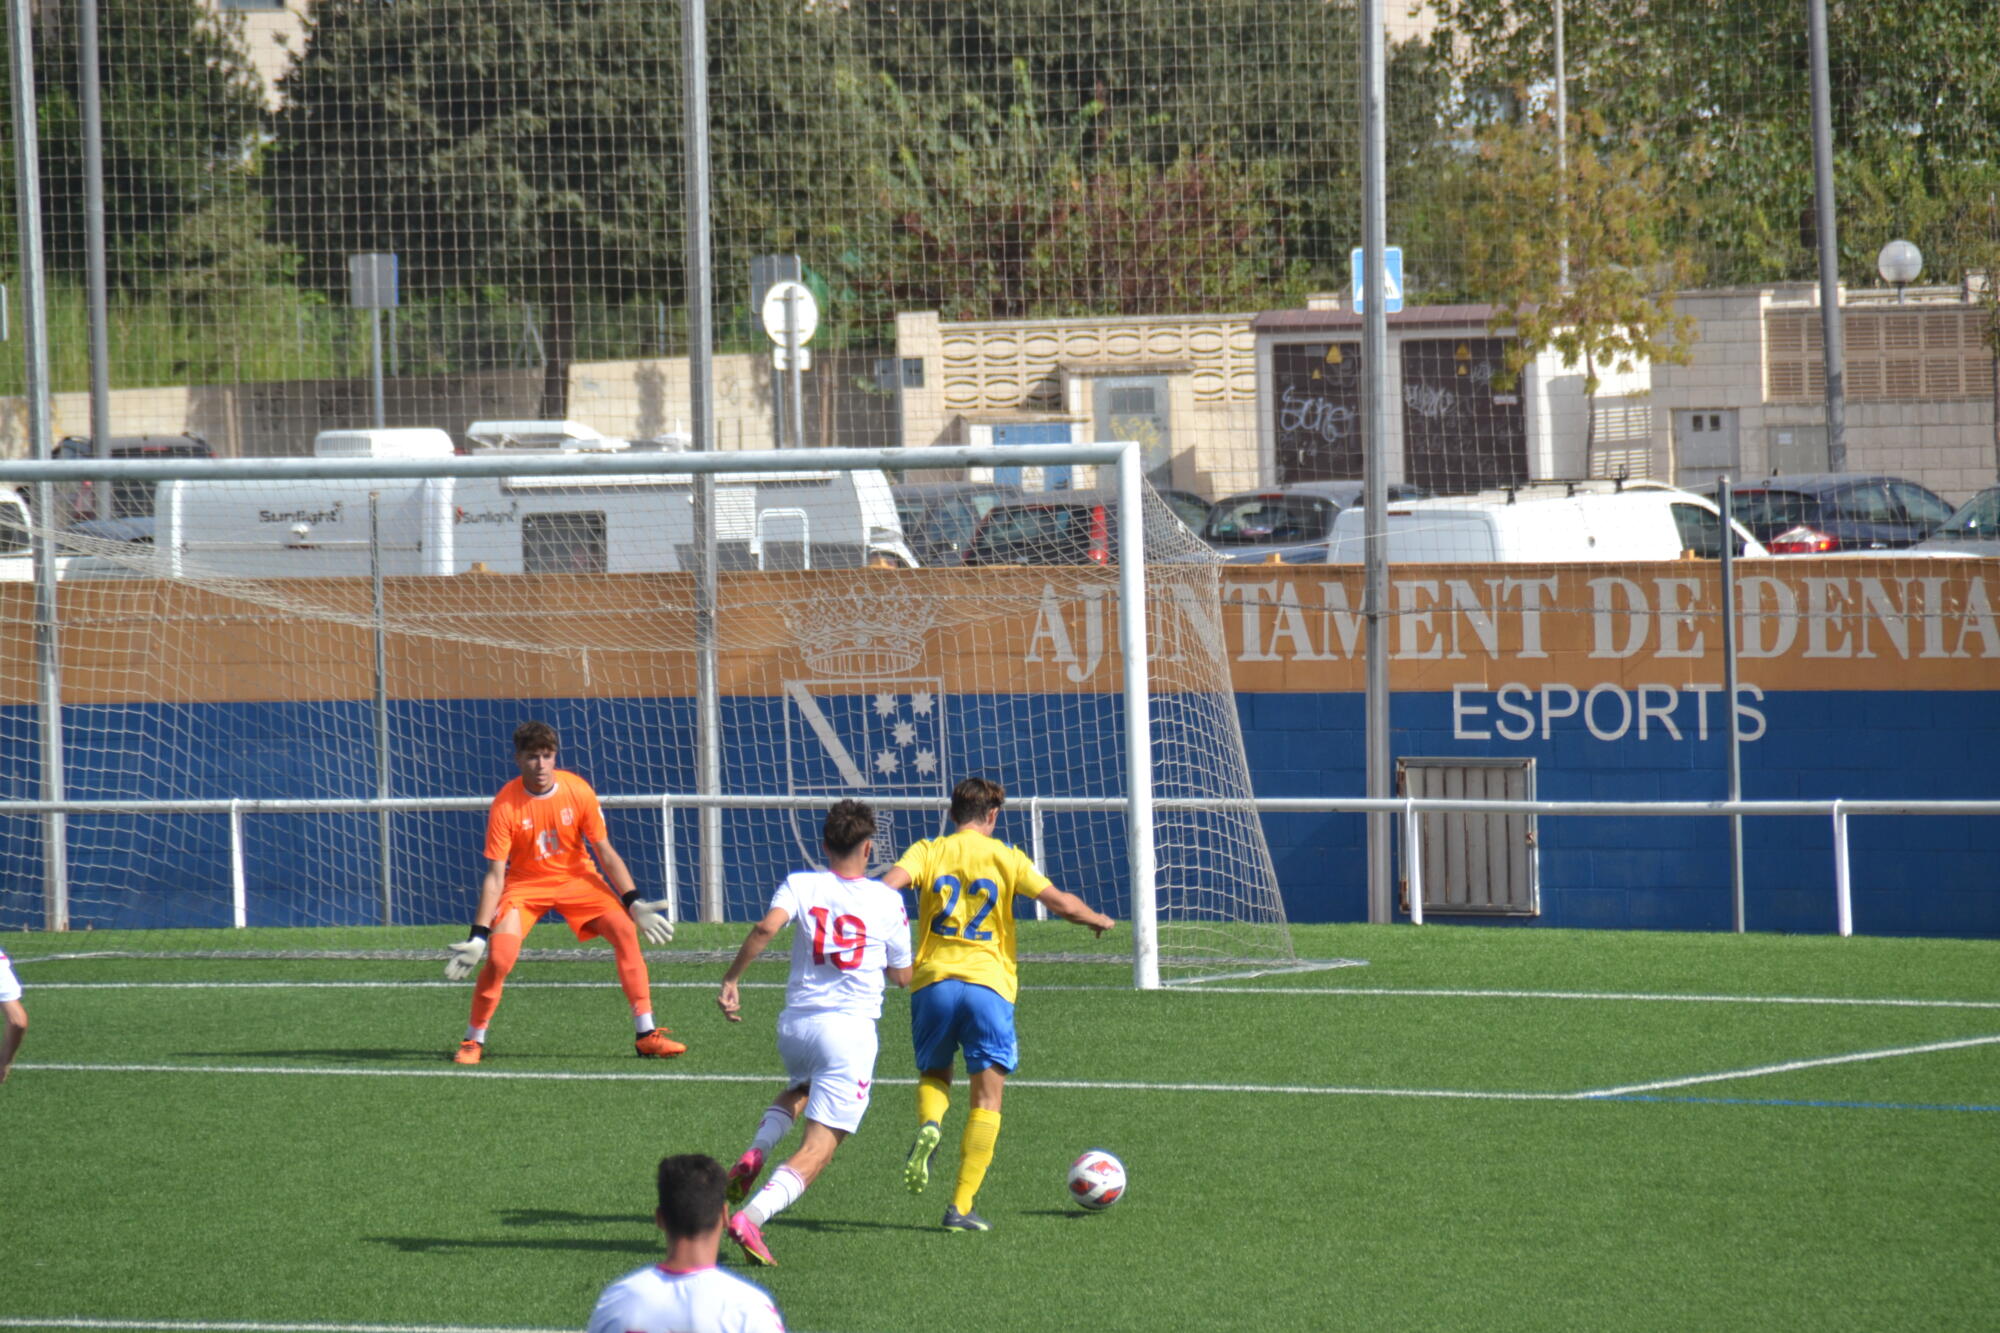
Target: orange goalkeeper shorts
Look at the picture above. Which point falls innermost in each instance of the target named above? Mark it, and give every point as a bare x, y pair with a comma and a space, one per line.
580, 901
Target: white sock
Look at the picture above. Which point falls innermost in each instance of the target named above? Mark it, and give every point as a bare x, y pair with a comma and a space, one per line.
777, 1123
642, 1023
475, 1034
780, 1192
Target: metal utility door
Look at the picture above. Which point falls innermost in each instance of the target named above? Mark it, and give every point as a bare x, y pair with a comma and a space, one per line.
1706, 447
1474, 863
1316, 411
1460, 432
1134, 407
1056, 478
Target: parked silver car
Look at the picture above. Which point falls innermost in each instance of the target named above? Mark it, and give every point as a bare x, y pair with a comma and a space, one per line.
1974, 529
1293, 522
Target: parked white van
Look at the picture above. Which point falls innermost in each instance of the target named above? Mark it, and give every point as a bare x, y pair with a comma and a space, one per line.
16, 560
808, 519
1568, 523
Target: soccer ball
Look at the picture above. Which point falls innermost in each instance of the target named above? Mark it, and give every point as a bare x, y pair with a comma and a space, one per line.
1096, 1181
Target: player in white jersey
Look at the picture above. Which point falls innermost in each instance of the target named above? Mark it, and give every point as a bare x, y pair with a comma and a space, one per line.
686, 1292
852, 935
14, 1012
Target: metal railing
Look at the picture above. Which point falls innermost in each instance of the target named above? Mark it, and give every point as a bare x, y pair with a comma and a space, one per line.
1408, 808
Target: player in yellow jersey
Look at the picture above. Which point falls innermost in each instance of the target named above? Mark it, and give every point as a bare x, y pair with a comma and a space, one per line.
962, 994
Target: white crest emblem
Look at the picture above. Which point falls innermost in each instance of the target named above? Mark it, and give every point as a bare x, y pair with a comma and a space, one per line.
864, 727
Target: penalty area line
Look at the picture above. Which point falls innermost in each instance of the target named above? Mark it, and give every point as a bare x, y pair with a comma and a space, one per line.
1632, 1093
1788, 1066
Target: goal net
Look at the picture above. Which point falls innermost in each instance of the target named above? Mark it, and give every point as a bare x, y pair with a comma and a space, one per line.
325, 643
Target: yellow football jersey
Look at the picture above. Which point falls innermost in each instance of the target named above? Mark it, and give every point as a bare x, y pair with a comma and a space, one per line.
966, 883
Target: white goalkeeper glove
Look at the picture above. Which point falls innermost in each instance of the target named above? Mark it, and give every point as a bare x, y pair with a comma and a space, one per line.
650, 918
463, 958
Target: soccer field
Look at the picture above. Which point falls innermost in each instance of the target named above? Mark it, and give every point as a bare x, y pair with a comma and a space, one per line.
1478, 1128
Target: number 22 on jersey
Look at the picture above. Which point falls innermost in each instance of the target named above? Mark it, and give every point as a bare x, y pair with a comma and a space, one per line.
977, 901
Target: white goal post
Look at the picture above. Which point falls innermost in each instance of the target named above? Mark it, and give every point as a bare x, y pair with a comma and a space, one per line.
1204, 881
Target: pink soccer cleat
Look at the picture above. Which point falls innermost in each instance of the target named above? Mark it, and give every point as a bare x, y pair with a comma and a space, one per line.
743, 1176
747, 1234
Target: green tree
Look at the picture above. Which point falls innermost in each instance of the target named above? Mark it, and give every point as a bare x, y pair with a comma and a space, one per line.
531, 146
994, 213
1718, 93
1609, 213
182, 115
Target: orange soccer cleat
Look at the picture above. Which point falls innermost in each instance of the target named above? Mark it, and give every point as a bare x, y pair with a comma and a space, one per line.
468, 1052
658, 1045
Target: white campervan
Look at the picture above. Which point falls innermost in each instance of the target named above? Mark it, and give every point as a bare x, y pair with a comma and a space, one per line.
644, 522
1564, 524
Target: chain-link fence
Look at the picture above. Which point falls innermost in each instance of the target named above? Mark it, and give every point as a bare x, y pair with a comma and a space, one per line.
1074, 172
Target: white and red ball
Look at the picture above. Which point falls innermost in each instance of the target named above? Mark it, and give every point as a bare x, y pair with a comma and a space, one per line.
1096, 1181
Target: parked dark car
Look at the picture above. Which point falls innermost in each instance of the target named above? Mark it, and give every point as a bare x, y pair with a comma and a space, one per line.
1293, 522
1049, 528
1188, 507
939, 517
1973, 530
1809, 514
126, 499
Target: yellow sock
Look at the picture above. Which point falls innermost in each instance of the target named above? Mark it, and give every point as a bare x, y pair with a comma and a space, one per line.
933, 1099
975, 1154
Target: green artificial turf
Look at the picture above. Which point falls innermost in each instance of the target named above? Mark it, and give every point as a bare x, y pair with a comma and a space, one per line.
1301, 1150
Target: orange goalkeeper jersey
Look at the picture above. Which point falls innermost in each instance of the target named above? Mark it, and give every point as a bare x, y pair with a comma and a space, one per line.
541, 837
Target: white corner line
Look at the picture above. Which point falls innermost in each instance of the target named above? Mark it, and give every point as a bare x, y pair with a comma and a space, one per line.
1785, 1068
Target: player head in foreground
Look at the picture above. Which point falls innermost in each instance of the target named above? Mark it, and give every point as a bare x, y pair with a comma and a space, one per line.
962, 997
686, 1292
13, 1012
540, 833
852, 936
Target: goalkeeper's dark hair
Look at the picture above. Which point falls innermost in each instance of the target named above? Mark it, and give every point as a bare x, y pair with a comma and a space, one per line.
532, 737
974, 798
849, 824
692, 1187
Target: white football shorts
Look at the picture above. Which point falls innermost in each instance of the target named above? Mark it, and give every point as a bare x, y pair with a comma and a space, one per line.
10, 985
834, 1052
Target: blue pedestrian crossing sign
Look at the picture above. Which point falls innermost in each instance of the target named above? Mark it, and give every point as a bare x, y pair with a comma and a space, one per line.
1392, 270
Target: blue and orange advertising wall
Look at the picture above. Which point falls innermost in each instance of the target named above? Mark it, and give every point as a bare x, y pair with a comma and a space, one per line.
1858, 679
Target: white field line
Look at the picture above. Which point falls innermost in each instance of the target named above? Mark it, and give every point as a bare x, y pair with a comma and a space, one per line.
1762, 1071
1386, 992
766, 1079
205, 1326
1639, 996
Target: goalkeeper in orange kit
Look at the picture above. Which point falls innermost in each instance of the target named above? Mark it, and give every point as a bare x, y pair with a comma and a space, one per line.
537, 862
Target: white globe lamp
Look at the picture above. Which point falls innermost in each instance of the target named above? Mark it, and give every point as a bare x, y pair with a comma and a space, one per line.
1899, 262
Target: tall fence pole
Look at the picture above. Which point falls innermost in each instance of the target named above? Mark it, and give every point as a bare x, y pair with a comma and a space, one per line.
1375, 451
385, 875
90, 105
701, 407
1723, 496
35, 349
1832, 337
